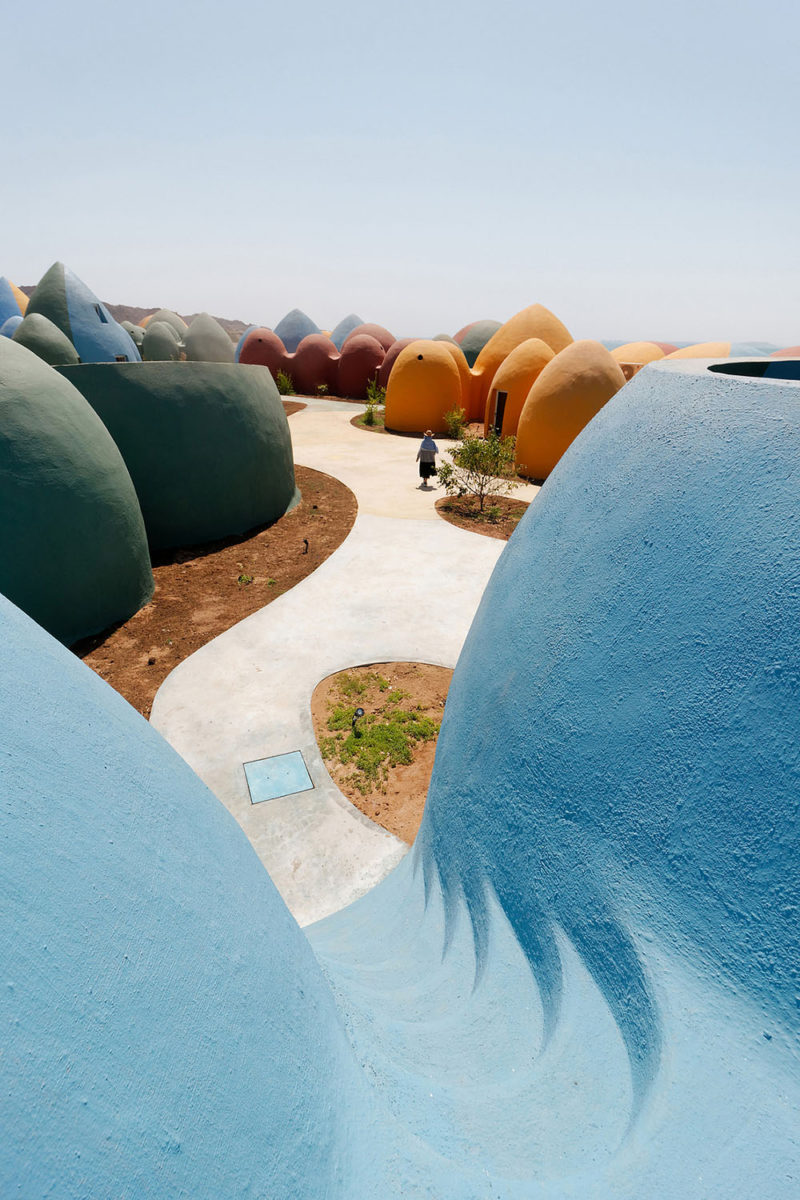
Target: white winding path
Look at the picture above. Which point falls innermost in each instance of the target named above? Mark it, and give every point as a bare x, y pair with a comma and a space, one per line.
404, 585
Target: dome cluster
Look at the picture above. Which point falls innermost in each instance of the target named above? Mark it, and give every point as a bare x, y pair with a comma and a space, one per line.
104, 457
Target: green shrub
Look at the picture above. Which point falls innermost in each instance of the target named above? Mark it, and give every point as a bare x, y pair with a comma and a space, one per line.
455, 422
285, 384
480, 467
375, 393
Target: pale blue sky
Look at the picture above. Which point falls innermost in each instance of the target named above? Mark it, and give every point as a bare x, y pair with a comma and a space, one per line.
425, 164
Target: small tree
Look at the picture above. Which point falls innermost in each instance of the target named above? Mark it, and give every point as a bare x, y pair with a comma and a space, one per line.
481, 467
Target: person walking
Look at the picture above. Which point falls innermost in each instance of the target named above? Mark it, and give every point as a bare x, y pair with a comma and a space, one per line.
426, 457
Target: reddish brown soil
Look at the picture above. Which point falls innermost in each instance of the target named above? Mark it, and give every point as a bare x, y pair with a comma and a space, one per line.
203, 590
293, 406
398, 804
464, 512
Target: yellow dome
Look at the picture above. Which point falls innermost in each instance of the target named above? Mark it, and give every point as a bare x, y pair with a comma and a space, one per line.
424, 385
515, 376
464, 373
570, 390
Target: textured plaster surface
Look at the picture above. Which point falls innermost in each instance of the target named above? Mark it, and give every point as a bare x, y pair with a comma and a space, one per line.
166, 1029
66, 301
73, 550
207, 444
583, 980
404, 585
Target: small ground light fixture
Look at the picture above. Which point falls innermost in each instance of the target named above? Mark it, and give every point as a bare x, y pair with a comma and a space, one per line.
358, 713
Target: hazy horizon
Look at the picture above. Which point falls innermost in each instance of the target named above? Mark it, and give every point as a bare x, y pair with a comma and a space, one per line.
423, 168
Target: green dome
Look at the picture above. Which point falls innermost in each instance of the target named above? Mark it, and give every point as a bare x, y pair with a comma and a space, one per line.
476, 337
44, 339
170, 318
136, 332
207, 444
207, 341
160, 343
73, 550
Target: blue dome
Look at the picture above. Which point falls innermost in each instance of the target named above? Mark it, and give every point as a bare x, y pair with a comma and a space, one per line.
293, 328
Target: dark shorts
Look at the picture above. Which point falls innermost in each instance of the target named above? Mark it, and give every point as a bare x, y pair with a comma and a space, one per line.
426, 470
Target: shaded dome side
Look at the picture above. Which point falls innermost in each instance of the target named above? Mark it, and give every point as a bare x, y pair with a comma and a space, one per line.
207, 444
73, 550
167, 1029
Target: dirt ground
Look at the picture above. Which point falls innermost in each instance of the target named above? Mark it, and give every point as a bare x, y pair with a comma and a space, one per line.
203, 590
464, 512
396, 805
293, 406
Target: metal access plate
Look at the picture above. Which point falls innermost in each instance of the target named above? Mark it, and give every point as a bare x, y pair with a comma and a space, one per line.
281, 775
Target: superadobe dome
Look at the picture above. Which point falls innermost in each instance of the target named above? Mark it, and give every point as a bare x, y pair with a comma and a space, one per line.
45, 340
160, 342
512, 382
13, 301
292, 328
533, 322
424, 385
66, 301
570, 390
344, 327
206, 341
73, 550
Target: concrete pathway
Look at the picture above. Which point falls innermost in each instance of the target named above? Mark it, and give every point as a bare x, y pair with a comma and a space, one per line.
403, 586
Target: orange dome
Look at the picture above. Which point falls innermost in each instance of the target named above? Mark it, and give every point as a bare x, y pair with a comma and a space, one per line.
703, 350
424, 385
533, 322
569, 391
464, 373
20, 297
515, 377
637, 352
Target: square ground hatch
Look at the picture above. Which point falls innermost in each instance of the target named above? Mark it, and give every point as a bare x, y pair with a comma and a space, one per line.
281, 775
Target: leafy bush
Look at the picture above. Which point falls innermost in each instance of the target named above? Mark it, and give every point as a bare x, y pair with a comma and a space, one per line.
285, 384
322, 389
480, 467
375, 393
455, 422
369, 415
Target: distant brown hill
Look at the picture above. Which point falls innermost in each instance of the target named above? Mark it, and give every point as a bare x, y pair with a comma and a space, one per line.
129, 312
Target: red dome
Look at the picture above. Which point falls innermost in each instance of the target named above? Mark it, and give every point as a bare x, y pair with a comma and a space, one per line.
313, 363
378, 332
264, 348
361, 358
389, 361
